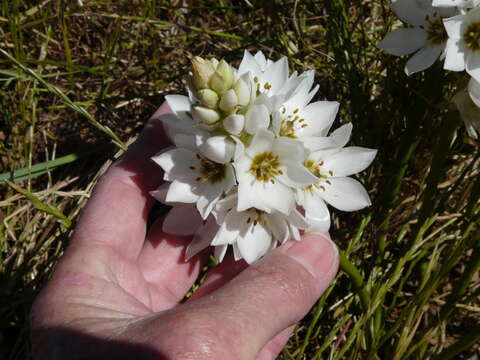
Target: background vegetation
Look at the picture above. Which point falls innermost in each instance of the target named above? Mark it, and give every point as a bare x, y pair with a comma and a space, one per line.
78, 79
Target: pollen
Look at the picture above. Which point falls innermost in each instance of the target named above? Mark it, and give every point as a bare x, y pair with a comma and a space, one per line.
211, 172
472, 36
289, 126
265, 167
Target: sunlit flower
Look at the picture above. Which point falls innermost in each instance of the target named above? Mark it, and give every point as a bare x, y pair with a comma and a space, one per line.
463, 46
252, 233
456, 3
195, 178
332, 166
426, 38
268, 171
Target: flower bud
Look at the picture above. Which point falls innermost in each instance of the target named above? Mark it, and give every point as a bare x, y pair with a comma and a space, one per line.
202, 71
243, 92
228, 101
204, 115
223, 77
216, 148
234, 123
208, 97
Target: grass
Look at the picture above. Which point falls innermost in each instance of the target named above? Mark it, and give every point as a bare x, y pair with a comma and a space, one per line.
77, 83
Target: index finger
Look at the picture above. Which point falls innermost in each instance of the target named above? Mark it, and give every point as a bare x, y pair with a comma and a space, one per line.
117, 212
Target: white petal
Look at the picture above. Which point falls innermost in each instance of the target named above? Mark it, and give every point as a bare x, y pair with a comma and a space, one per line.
403, 41
271, 197
210, 193
288, 149
261, 142
315, 143
473, 64
248, 64
296, 175
202, 238
230, 228
236, 252
160, 193
342, 135
261, 60
220, 252
182, 220
423, 59
219, 149
474, 91
455, 26
279, 227
183, 192
316, 212
256, 118
180, 105
318, 116
349, 161
254, 244
234, 123
346, 194
176, 163
455, 54
412, 12
277, 74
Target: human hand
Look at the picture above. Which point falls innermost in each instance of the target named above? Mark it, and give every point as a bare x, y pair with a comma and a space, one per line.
117, 291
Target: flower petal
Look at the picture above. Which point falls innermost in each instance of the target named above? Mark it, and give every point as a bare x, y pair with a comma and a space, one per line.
349, 161
412, 12
473, 64
423, 59
202, 238
177, 163
346, 194
474, 91
318, 116
403, 41
254, 244
220, 252
455, 55
248, 64
316, 213
296, 175
276, 74
262, 142
257, 117
182, 192
455, 26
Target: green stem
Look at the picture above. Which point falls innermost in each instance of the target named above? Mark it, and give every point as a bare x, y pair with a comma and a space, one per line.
356, 278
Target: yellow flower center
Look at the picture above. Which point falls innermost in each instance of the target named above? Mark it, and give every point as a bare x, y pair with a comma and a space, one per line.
472, 36
265, 167
315, 168
211, 172
257, 216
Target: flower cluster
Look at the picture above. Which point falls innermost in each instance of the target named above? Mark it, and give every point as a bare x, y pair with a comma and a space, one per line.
448, 30
253, 163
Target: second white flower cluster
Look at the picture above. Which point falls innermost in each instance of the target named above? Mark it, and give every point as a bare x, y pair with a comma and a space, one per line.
254, 162
448, 30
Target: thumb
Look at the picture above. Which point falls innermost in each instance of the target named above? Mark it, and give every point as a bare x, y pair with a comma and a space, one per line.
272, 294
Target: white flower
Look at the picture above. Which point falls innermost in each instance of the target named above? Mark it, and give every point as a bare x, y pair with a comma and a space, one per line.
267, 172
468, 102
252, 233
456, 3
333, 165
426, 38
195, 178
463, 46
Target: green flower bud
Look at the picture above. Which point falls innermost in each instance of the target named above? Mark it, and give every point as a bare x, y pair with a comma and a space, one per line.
243, 92
202, 71
208, 97
223, 77
228, 101
204, 115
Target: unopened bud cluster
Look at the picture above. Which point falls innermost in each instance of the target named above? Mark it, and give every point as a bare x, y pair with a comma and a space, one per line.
222, 95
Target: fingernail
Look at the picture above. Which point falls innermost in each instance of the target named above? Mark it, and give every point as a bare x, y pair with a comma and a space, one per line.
317, 253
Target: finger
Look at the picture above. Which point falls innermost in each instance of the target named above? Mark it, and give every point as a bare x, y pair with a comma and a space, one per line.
271, 350
219, 276
163, 265
116, 213
272, 294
